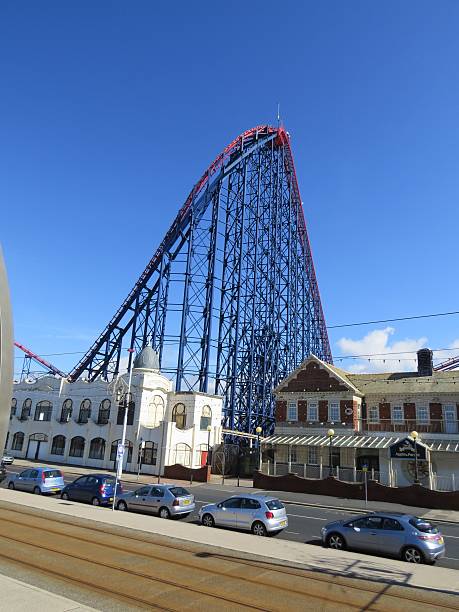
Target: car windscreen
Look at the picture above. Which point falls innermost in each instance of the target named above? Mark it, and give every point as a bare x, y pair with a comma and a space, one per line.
179, 491
53, 474
274, 504
423, 525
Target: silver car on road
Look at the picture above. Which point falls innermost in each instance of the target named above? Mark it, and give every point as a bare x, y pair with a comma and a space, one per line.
260, 514
405, 536
167, 501
38, 480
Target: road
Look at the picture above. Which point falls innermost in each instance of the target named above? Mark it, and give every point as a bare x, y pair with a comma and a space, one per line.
304, 521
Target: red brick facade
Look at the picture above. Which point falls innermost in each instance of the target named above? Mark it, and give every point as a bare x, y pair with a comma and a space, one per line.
312, 379
435, 412
409, 411
302, 411
384, 412
345, 407
323, 411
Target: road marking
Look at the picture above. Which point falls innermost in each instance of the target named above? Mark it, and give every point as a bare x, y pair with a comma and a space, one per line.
295, 532
448, 536
450, 558
315, 518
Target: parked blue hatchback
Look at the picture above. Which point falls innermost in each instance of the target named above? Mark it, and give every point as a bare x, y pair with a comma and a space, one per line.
38, 480
98, 489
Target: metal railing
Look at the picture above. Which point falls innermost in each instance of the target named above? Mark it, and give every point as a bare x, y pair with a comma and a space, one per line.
275, 468
408, 425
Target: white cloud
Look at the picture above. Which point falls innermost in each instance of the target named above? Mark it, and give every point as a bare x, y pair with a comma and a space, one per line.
377, 342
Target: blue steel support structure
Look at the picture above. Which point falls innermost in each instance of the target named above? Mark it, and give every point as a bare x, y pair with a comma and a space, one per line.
230, 299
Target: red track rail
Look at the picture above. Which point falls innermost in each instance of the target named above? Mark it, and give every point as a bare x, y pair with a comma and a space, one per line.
49, 366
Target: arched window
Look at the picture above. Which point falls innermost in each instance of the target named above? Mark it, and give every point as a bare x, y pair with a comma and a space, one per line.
183, 454
206, 417
126, 401
7, 438
113, 449
179, 416
97, 448
18, 441
149, 453
104, 412
66, 412
76, 447
155, 411
58, 445
26, 408
14, 405
43, 411
85, 411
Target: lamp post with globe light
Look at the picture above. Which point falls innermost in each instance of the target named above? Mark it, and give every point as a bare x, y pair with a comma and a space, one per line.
258, 431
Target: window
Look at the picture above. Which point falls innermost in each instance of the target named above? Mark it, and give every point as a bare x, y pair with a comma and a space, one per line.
293, 454
149, 454
369, 522
66, 412
58, 445
373, 414
232, 503
250, 504
275, 504
26, 408
391, 524
85, 411
397, 414
97, 448
121, 410
157, 492
313, 411
143, 492
422, 414
53, 474
179, 491
183, 454
43, 411
14, 405
114, 447
76, 447
206, 418
18, 441
333, 412
156, 411
179, 416
292, 411
104, 412
313, 455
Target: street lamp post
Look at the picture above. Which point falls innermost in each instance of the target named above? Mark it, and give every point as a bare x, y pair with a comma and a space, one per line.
209, 429
127, 401
258, 431
330, 434
415, 435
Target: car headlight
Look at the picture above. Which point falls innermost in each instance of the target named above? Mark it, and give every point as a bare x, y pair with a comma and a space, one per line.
323, 530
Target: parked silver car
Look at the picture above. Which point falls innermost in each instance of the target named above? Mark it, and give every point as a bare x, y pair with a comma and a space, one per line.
38, 480
406, 536
165, 500
260, 514
7, 459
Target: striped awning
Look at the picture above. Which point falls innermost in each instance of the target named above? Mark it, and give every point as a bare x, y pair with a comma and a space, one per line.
445, 445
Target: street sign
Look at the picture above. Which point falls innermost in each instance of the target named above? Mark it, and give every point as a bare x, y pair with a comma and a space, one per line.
404, 449
120, 451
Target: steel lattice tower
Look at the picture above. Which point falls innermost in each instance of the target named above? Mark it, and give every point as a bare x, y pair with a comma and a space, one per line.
230, 299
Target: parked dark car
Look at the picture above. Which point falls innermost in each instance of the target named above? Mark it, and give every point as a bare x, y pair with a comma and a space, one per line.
2, 473
98, 489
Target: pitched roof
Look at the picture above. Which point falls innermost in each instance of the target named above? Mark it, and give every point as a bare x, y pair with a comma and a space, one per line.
406, 382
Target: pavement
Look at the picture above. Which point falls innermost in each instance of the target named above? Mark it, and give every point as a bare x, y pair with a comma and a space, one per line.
17, 596
287, 554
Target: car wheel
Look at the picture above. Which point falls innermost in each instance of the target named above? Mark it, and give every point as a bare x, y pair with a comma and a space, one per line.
122, 506
208, 520
164, 513
37, 491
259, 529
95, 501
411, 554
11, 485
336, 541
65, 496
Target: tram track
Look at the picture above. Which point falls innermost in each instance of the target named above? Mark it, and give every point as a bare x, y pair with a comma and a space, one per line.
144, 572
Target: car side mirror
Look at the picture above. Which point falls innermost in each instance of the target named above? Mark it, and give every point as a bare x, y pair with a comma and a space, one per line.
219, 505
356, 529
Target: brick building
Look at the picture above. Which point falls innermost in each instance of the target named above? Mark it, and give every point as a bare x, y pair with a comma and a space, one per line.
368, 414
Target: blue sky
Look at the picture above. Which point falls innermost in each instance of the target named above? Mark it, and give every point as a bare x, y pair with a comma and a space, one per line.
110, 111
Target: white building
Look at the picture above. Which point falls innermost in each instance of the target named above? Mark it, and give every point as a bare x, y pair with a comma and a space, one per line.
81, 423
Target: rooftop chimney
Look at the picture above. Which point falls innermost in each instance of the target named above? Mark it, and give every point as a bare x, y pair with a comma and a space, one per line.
425, 362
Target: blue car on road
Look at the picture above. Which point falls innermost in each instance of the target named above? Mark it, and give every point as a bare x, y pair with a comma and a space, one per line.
97, 489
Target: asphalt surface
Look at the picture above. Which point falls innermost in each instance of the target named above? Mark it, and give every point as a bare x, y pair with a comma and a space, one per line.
305, 522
